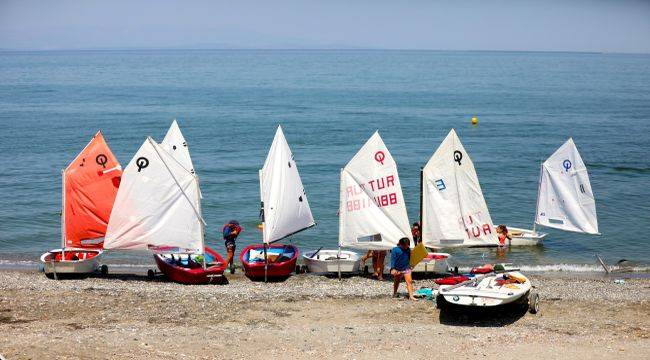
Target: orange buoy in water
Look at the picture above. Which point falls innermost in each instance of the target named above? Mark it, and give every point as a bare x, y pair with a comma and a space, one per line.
260, 226
474, 120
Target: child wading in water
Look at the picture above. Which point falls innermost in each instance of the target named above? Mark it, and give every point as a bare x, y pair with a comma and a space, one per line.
230, 232
502, 232
400, 258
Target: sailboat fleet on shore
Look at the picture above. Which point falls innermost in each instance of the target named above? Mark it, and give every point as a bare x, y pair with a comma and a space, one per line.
155, 205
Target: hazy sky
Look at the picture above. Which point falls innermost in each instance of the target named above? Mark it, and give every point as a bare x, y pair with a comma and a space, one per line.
557, 25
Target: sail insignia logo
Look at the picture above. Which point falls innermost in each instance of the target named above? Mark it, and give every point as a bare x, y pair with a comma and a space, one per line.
440, 184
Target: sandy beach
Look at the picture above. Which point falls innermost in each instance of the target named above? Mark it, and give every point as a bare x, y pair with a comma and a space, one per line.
311, 316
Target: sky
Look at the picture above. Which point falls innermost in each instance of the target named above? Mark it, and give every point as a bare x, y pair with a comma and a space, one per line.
509, 25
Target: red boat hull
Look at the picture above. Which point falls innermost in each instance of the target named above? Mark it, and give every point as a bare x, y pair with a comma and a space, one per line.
193, 275
276, 270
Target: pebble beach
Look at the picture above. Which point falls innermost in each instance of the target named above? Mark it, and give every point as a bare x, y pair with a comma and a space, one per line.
310, 316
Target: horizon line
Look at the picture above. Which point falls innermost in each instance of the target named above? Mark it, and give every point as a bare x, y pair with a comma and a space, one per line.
107, 49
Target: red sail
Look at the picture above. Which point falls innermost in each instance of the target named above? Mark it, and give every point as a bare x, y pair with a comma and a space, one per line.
91, 183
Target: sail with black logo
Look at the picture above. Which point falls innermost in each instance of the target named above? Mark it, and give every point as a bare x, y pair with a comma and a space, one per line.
453, 209
565, 200
157, 207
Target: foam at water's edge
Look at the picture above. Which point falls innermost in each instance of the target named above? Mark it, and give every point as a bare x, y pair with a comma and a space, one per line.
580, 268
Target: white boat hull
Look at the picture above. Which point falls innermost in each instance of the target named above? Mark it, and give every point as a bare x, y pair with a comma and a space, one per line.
525, 237
81, 266
486, 292
326, 261
434, 263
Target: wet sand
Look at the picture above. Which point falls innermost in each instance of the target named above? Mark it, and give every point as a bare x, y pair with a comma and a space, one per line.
311, 316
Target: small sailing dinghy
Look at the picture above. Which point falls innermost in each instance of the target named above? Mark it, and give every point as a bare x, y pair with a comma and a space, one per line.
453, 209
372, 211
89, 186
564, 198
158, 208
285, 211
281, 260
331, 261
499, 286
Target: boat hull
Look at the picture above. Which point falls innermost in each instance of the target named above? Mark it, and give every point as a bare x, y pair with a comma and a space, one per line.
281, 269
487, 293
525, 237
192, 275
434, 263
76, 261
327, 261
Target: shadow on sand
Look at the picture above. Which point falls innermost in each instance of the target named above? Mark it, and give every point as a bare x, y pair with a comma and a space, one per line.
158, 277
456, 315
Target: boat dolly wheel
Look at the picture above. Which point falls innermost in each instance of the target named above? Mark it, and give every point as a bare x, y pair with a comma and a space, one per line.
151, 274
103, 270
533, 302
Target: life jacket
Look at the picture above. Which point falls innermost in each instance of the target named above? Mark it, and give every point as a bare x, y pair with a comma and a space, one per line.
451, 280
231, 231
487, 268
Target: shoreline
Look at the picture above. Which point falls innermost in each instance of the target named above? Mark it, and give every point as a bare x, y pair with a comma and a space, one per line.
306, 316
558, 270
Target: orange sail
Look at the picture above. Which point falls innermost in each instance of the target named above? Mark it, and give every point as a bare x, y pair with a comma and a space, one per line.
90, 183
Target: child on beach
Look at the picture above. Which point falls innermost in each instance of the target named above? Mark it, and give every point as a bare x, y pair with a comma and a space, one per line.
400, 257
230, 232
378, 257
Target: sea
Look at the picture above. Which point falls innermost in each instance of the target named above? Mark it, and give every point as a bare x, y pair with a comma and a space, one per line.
329, 102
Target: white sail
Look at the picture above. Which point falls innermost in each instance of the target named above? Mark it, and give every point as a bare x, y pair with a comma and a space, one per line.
175, 144
565, 200
285, 205
372, 212
157, 205
454, 212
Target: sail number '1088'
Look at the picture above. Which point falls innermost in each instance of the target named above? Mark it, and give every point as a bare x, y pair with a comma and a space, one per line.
373, 199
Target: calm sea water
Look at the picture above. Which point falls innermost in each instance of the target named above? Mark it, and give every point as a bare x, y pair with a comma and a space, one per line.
228, 104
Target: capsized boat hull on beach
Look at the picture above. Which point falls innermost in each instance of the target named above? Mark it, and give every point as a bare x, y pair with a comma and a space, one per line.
74, 262
281, 261
192, 275
330, 261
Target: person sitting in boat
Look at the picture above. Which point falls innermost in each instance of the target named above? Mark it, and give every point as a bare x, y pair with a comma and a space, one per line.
400, 258
230, 232
502, 232
416, 232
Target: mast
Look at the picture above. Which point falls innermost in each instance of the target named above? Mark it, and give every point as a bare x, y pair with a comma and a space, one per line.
539, 184
421, 202
266, 259
62, 214
338, 255
198, 200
